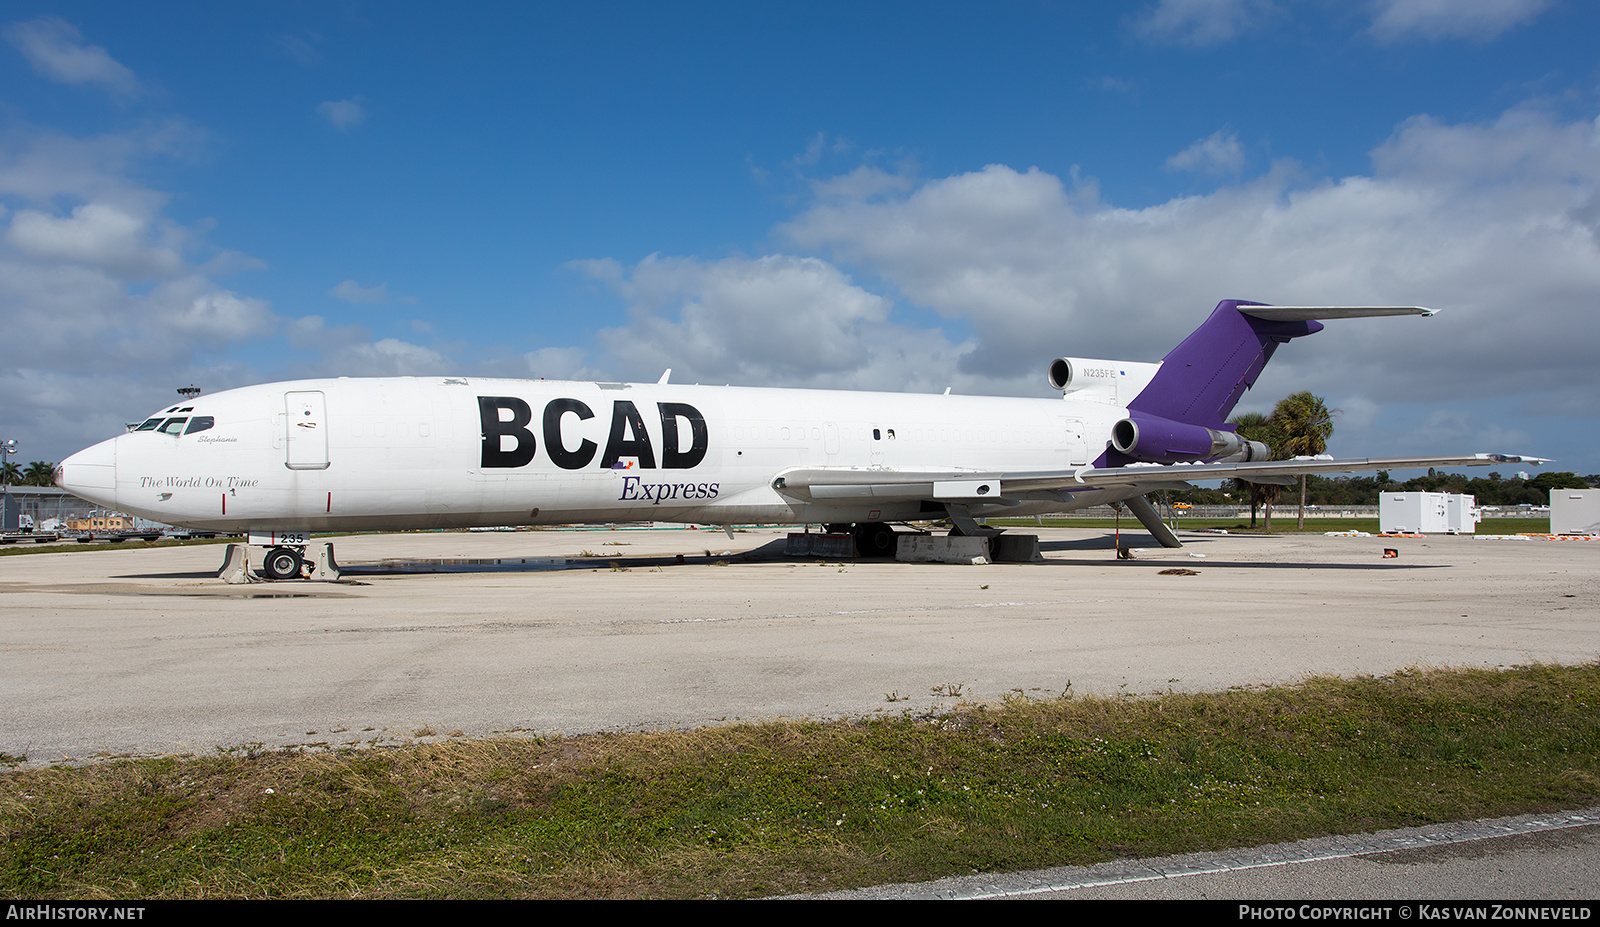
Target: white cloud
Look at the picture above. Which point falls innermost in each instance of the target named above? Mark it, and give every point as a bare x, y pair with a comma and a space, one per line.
388, 357
862, 183
817, 147
352, 292
1201, 22
42, 165
350, 351
734, 317
54, 48
106, 293
96, 234
194, 307
302, 48
1456, 428
1478, 20
1356, 412
560, 364
1489, 222
106, 302
343, 114
1218, 154
774, 320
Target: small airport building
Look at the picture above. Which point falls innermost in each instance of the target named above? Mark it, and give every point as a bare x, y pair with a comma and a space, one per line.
41, 507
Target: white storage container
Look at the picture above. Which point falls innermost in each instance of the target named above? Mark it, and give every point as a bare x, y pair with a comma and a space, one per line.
1575, 511
1427, 513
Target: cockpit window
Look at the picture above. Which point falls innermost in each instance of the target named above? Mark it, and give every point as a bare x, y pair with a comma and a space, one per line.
150, 424
173, 426
199, 423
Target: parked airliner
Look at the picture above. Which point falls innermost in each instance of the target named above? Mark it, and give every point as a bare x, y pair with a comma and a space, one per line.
281, 460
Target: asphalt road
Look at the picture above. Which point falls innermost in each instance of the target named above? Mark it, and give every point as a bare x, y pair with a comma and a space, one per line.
1545, 858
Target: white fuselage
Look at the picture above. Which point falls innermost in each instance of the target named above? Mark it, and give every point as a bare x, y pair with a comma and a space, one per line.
441, 452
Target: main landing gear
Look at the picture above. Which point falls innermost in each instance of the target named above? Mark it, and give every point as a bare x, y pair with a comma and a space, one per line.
874, 539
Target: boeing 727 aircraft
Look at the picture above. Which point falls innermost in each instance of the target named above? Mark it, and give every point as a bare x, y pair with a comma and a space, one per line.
281, 460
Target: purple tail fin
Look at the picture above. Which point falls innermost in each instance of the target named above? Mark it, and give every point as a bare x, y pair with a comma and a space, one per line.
1202, 379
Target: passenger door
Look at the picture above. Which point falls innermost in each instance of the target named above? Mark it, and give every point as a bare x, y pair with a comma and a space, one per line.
306, 436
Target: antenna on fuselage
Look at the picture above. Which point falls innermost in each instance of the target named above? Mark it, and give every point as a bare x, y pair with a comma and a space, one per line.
189, 391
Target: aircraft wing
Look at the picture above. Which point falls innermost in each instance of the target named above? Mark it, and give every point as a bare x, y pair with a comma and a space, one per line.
970, 486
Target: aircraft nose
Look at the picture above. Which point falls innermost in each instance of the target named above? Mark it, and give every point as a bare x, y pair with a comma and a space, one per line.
91, 473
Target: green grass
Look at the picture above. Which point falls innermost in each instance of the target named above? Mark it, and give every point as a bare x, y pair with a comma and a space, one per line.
752, 810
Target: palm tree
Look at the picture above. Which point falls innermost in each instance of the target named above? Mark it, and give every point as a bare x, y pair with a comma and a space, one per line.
10, 474
1305, 423
1253, 426
39, 473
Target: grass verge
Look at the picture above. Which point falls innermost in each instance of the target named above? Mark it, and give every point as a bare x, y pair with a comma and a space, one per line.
751, 810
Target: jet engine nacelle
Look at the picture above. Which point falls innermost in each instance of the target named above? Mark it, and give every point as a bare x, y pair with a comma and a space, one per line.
1070, 374
1154, 439
1103, 380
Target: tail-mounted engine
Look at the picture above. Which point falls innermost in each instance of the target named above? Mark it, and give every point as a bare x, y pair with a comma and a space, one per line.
1158, 440
1090, 378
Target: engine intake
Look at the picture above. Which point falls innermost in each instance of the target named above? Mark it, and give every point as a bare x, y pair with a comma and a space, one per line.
1070, 374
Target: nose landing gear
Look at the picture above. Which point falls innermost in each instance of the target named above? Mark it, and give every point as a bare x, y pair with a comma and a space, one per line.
282, 563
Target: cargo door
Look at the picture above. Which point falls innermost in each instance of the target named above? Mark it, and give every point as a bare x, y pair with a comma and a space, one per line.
306, 430
1073, 442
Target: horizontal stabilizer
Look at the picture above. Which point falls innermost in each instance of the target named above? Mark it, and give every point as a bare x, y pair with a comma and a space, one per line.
1308, 313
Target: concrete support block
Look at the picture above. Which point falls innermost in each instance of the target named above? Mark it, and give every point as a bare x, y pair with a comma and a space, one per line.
1015, 548
236, 565
327, 569
927, 548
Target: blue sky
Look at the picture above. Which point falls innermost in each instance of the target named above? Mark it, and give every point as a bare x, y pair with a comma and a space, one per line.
902, 196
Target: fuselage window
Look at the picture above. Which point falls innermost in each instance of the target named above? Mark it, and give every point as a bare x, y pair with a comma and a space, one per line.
173, 426
199, 423
149, 425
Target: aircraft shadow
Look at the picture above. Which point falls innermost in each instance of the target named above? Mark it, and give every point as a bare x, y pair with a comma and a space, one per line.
207, 574
1198, 564
773, 551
